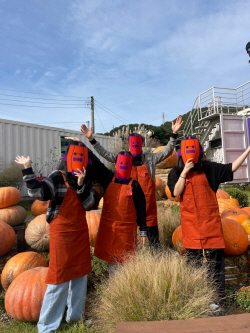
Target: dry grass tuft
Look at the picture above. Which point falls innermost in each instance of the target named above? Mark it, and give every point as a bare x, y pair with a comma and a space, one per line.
150, 288
167, 223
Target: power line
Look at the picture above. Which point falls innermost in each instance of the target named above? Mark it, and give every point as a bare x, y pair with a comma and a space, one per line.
48, 99
100, 121
110, 111
47, 107
32, 93
120, 119
16, 100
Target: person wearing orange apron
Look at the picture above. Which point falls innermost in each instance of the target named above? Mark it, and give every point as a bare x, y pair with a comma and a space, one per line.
70, 195
143, 171
196, 181
124, 208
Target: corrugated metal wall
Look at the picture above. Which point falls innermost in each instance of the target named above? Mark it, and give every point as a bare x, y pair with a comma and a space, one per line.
41, 143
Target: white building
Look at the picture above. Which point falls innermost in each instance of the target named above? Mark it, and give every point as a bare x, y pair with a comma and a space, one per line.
43, 144
220, 119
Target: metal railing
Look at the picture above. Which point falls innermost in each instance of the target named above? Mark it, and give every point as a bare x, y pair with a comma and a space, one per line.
211, 103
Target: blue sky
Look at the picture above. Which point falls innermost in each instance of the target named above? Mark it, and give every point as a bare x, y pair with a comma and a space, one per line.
137, 58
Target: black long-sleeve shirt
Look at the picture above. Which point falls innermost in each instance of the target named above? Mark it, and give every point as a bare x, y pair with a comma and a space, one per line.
104, 177
53, 188
216, 174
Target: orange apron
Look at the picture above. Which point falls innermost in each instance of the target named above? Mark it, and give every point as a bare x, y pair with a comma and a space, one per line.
200, 217
117, 234
69, 241
142, 175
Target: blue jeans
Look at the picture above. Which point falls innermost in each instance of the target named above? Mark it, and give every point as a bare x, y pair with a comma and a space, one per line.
57, 296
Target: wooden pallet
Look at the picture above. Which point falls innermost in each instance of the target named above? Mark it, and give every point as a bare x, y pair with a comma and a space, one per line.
230, 324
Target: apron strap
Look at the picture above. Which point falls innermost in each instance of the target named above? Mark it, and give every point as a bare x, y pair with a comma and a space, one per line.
113, 179
65, 180
131, 180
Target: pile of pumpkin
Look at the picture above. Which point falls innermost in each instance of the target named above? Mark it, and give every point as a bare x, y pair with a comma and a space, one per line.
235, 225
24, 274
11, 215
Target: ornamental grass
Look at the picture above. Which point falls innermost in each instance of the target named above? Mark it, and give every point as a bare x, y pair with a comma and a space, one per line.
167, 223
153, 288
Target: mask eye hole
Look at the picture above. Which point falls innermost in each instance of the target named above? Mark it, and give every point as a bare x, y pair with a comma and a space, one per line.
127, 163
192, 146
121, 163
81, 154
75, 154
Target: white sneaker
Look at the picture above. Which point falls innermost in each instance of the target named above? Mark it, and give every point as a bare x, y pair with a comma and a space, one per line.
214, 307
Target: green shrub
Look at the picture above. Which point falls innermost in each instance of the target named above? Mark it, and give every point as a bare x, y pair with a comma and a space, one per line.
99, 271
247, 189
11, 176
241, 196
152, 288
242, 298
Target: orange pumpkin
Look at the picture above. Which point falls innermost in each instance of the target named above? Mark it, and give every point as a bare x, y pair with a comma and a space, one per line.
9, 196
224, 204
37, 233
237, 215
13, 215
169, 162
235, 236
160, 188
247, 209
19, 264
24, 297
235, 201
220, 194
177, 240
39, 207
93, 220
7, 238
246, 225
168, 194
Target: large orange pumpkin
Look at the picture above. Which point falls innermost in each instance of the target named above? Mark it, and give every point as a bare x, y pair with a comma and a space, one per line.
235, 201
39, 207
224, 204
13, 215
235, 236
19, 264
24, 297
177, 240
37, 233
160, 188
236, 214
220, 194
169, 195
7, 238
247, 209
93, 220
169, 162
9, 196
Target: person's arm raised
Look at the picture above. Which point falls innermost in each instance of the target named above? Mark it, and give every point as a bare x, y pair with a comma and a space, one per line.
111, 157
237, 163
179, 186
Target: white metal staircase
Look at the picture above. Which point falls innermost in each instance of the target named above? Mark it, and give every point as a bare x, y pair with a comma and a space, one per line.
204, 118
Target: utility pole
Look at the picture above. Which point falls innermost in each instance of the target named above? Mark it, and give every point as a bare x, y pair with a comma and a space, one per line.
87, 123
92, 114
163, 120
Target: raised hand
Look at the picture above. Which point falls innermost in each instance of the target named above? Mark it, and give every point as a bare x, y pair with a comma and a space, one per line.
177, 125
72, 138
87, 132
80, 176
188, 166
25, 161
